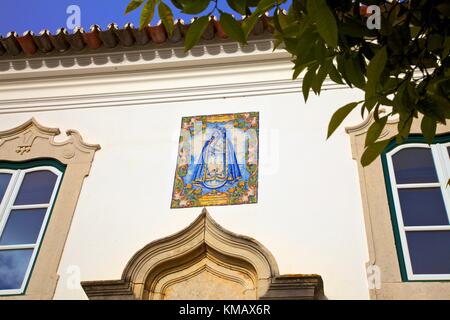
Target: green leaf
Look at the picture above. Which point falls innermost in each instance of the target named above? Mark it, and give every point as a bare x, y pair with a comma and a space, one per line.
147, 13
339, 116
291, 45
306, 43
340, 59
444, 8
374, 71
441, 104
133, 5
385, 101
404, 126
375, 130
370, 103
373, 151
278, 42
304, 50
297, 72
166, 16
334, 75
249, 23
434, 42
238, 5
325, 21
232, 27
446, 47
428, 126
177, 4
252, 3
320, 77
264, 5
286, 20
194, 6
353, 71
195, 31
308, 79
320, 51
276, 22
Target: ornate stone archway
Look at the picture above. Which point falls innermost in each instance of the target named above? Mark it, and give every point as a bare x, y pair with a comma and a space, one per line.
205, 261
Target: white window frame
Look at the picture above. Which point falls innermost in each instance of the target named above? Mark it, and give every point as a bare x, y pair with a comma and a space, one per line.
7, 206
442, 164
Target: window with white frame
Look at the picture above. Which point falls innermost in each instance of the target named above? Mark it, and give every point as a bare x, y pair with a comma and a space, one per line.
27, 194
417, 177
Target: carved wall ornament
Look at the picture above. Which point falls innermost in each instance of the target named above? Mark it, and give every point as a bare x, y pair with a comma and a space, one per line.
32, 140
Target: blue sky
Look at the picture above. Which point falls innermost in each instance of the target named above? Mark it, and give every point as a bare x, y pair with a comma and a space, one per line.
36, 15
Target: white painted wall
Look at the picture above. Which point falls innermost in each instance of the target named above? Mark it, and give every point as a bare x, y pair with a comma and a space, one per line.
309, 213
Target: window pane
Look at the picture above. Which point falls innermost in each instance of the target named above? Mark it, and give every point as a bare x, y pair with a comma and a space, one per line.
429, 251
13, 265
414, 165
23, 227
4, 181
37, 188
423, 207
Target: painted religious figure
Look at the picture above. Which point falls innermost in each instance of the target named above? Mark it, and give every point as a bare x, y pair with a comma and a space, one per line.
217, 161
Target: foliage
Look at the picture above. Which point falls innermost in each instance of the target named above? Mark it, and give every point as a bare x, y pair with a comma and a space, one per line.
404, 65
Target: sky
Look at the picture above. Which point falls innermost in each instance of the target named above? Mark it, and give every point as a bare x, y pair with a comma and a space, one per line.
37, 15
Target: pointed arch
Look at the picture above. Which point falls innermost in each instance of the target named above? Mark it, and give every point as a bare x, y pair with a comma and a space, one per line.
197, 258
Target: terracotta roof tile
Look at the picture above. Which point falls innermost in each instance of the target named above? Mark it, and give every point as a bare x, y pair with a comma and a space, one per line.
11, 44
44, 41
219, 30
92, 38
62, 41
125, 35
27, 43
157, 33
209, 32
76, 39
2, 49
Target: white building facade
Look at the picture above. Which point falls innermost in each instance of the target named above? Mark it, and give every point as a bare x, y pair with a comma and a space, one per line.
318, 211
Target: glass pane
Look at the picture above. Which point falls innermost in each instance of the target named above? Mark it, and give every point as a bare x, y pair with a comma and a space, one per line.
414, 165
23, 227
429, 251
423, 207
4, 182
13, 265
37, 188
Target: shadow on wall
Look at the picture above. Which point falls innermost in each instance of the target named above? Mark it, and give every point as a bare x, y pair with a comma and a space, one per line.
103, 57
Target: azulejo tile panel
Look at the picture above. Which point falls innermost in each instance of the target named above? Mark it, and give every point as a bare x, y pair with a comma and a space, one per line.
217, 161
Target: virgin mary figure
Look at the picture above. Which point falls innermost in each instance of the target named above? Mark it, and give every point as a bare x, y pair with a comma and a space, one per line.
217, 164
